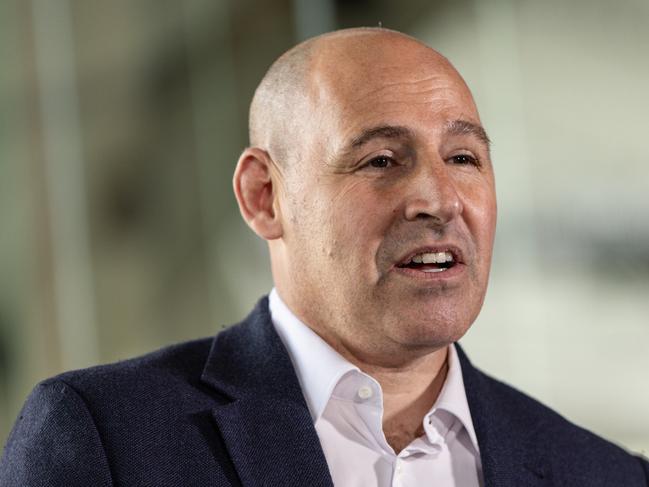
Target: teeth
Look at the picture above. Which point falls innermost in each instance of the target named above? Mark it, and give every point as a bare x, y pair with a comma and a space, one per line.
433, 258
429, 258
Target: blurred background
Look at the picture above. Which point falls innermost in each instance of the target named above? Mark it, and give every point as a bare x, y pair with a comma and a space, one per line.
121, 122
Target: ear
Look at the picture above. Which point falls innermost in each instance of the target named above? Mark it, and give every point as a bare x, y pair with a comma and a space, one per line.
256, 193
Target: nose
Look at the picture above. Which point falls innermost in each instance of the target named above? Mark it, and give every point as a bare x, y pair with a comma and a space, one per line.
433, 195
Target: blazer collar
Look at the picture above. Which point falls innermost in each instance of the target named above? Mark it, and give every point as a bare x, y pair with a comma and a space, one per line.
266, 425
269, 432
511, 438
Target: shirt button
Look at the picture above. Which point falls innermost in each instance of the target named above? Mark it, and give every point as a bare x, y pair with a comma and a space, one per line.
365, 392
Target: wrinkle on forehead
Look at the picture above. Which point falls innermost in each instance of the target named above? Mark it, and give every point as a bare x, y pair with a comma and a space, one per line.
422, 91
341, 73
386, 71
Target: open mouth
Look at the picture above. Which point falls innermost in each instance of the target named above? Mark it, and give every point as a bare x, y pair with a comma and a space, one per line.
430, 262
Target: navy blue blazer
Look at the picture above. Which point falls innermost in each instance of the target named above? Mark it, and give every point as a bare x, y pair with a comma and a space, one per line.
229, 411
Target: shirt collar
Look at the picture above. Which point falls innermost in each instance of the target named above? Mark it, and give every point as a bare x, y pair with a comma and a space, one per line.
319, 368
452, 397
317, 365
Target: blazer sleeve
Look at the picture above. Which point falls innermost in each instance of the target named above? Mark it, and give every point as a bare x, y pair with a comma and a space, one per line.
54, 442
645, 467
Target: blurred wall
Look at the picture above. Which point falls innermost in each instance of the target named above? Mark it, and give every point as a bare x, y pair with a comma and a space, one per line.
121, 122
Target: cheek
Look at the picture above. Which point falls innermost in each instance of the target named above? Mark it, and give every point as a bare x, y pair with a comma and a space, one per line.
479, 202
482, 226
487, 214
361, 215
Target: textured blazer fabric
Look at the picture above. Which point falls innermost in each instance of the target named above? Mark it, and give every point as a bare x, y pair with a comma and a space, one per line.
229, 411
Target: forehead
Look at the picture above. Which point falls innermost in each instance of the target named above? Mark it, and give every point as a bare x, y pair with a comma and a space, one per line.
386, 79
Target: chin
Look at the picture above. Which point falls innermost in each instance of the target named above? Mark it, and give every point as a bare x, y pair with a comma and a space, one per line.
432, 331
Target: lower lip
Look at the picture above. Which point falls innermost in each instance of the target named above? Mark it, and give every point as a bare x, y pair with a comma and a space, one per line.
450, 273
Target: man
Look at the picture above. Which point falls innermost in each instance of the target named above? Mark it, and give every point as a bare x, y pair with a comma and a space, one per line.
370, 177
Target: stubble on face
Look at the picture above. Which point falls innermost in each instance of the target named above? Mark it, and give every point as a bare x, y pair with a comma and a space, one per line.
344, 228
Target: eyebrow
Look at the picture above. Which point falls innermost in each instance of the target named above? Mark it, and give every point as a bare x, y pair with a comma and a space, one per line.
457, 127
383, 132
464, 127
454, 127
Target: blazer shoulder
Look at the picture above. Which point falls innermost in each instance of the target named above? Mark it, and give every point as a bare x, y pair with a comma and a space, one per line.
75, 425
165, 383
179, 363
54, 442
573, 450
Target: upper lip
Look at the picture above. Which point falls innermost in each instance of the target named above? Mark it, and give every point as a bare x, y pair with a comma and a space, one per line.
458, 255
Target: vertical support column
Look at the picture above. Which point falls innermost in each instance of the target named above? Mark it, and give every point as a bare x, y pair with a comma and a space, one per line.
214, 95
65, 183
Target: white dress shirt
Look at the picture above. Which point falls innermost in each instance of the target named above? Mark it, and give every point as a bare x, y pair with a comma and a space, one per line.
347, 410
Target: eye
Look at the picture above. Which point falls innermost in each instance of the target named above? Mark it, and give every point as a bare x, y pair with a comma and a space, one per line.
380, 162
465, 159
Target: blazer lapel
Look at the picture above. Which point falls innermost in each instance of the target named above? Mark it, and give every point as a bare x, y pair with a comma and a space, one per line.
268, 431
511, 442
272, 442
266, 425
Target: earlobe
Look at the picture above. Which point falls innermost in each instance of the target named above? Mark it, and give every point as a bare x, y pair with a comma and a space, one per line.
256, 193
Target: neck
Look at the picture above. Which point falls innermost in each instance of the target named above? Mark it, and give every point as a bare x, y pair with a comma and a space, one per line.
409, 392
410, 380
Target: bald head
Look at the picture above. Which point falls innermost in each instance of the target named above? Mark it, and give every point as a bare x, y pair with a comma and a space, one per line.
273, 107
368, 147
302, 80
